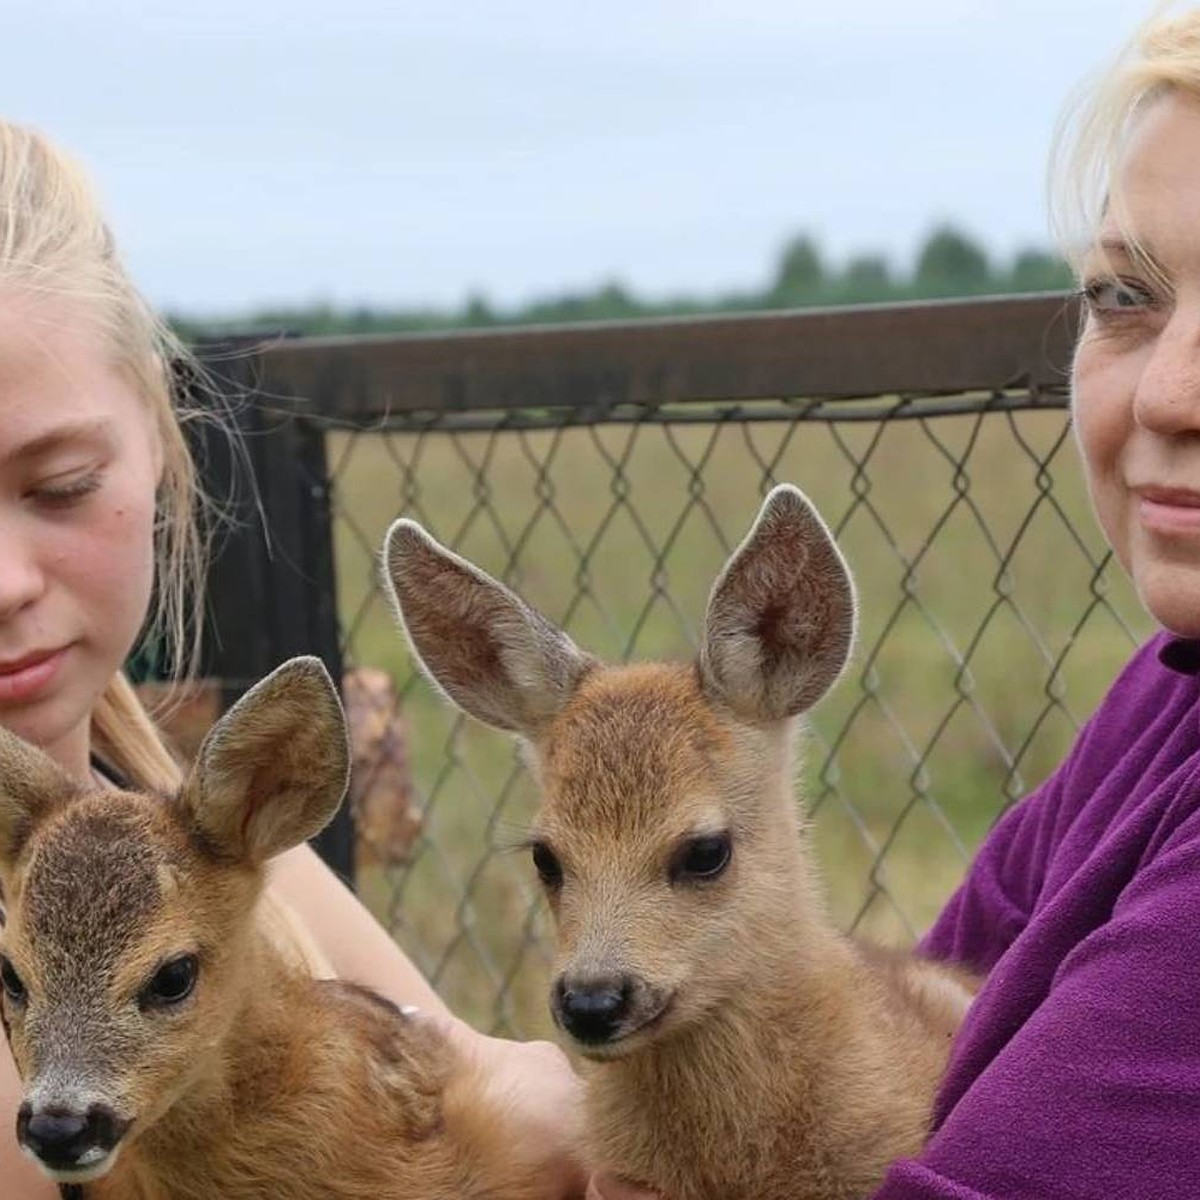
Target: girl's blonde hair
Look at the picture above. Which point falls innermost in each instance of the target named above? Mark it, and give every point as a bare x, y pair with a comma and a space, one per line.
54, 240
1162, 57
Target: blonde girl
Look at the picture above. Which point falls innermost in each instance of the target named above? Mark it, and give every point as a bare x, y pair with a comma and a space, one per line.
97, 521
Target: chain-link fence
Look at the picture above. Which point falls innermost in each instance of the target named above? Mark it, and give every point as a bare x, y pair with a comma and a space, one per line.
606, 473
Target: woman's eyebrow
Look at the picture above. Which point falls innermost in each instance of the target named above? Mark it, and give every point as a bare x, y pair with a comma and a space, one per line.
1139, 252
1115, 244
69, 433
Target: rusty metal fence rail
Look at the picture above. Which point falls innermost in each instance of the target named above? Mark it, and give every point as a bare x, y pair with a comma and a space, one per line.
605, 472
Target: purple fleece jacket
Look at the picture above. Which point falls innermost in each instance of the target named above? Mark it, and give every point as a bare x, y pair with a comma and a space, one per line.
1077, 1072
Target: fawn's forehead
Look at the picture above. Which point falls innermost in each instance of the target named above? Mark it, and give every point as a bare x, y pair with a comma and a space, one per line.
97, 873
631, 741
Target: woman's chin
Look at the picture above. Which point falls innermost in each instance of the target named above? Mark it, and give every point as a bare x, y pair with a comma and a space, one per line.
1170, 593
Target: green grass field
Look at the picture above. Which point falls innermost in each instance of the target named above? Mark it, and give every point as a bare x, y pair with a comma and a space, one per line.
987, 634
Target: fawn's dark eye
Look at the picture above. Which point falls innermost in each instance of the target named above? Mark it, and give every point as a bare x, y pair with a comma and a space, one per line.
546, 863
703, 857
171, 983
14, 988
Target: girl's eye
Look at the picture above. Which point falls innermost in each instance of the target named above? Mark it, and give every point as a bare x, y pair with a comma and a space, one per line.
171, 984
14, 988
62, 493
1116, 296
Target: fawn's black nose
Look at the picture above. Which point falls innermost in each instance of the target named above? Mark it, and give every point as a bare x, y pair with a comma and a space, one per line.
64, 1139
591, 1010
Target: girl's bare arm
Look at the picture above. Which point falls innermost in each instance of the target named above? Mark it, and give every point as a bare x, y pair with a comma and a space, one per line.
354, 943
535, 1076
21, 1179
605, 1187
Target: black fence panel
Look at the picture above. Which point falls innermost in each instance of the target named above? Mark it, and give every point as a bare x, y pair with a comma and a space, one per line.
272, 590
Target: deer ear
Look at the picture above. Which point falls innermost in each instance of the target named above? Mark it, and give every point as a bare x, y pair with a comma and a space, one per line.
273, 770
781, 617
31, 786
484, 647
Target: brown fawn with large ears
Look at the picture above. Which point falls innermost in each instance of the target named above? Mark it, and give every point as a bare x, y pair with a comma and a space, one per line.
740, 1047
170, 1048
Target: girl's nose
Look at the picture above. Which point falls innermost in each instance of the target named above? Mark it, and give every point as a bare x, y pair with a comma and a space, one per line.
21, 576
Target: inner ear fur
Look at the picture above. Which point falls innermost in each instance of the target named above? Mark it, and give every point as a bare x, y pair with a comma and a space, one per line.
488, 651
781, 617
32, 785
273, 770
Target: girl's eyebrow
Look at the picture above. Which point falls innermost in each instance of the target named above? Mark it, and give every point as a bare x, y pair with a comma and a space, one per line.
70, 433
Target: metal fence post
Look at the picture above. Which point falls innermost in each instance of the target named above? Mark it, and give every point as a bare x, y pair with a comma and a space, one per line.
271, 583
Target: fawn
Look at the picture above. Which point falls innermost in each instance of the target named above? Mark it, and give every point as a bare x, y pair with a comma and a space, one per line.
170, 1048
739, 1046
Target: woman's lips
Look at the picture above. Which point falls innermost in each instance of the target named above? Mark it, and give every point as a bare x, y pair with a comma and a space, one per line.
1169, 510
24, 678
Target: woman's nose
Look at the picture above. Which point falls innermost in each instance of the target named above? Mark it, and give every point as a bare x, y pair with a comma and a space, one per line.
1167, 399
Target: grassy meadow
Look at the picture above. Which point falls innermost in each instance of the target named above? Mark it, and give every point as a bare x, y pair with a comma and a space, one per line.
987, 634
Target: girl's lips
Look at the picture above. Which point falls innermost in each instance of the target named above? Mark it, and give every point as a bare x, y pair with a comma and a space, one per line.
24, 679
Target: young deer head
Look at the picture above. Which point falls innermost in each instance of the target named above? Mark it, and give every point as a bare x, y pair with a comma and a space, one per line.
667, 832
127, 914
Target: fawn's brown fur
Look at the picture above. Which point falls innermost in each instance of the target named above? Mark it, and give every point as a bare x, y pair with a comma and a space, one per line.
260, 1082
740, 1047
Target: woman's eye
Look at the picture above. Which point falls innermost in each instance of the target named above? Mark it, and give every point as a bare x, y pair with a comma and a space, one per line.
1117, 295
546, 863
703, 857
171, 984
14, 988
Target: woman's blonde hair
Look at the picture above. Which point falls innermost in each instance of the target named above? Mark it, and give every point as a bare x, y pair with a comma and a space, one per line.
54, 240
1162, 57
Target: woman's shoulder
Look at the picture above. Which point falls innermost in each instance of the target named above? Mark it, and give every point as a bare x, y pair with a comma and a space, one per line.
1130, 760
1133, 764
1151, 709
1163, 661
1128, 791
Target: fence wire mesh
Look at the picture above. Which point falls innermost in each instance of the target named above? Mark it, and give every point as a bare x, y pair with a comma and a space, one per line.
991, 620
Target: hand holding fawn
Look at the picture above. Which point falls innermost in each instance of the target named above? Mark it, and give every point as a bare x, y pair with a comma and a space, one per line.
170, 1048
740, 1047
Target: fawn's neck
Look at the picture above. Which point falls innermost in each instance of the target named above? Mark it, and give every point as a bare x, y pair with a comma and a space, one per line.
757, 1073
793, 998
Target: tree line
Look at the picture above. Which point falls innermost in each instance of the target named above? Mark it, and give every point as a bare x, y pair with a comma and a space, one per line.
949, 263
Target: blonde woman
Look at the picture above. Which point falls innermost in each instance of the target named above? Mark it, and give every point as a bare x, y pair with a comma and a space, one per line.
97, 497
1077, 1073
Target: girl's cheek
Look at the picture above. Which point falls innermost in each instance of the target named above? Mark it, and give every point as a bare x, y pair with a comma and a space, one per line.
116, 553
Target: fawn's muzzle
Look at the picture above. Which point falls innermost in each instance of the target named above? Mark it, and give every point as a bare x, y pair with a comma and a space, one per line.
592, 1010
63, 1140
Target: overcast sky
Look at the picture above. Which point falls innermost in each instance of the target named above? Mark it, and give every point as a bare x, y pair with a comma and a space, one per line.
255, 151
